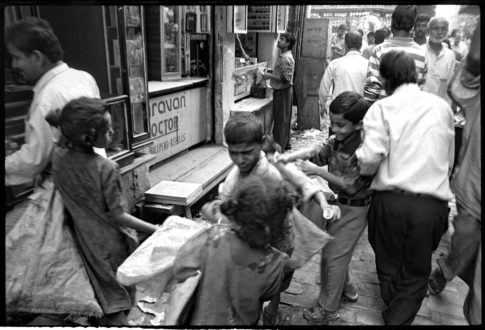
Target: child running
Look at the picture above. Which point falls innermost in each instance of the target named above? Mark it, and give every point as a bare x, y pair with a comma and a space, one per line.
90, 186
239, 269
346, 113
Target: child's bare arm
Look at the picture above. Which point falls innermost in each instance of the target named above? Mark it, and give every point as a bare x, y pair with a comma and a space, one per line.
289, 157
126, 219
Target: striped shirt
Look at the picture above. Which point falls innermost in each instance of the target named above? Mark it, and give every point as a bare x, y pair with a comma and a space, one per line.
373, 86
285, 68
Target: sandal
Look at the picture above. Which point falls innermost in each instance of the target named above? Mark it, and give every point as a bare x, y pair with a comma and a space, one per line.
270, 319
313, 314
319, 315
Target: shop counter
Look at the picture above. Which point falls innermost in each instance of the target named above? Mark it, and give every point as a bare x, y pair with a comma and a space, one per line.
261, 108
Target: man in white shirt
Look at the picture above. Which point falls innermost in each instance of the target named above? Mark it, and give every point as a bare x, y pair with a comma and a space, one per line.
441, 60
55, 84
347, 73
409, 146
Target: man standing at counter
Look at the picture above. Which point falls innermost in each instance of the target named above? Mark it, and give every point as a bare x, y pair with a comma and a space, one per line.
281, 80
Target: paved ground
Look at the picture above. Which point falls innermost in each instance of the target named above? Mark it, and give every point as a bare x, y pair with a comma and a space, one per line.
443, 309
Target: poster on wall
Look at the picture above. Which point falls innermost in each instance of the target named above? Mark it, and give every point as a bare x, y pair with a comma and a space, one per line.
199, 54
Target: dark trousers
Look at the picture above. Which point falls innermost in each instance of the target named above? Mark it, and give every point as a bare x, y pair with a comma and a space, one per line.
282, 103
403, 232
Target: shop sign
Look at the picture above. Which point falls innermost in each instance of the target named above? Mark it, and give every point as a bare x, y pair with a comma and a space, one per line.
175, 122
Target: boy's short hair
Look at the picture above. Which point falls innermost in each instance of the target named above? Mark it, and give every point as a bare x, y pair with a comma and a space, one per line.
243, 129
370, 34
403, 18
351, 105
398, 68
290, 37
32, 34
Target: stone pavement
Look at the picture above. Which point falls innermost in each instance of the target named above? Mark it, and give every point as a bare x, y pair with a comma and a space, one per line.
443, 309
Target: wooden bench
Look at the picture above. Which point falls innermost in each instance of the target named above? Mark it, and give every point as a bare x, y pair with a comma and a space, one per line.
207, 165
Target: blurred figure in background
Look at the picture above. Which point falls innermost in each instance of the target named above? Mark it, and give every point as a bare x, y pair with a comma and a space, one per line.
421, 28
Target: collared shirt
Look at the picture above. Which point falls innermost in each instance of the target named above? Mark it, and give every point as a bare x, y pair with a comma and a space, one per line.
339, 43
341, 161
466, 183
54, 89
409, 140
285, 68
440, 70
373, 88
347, 73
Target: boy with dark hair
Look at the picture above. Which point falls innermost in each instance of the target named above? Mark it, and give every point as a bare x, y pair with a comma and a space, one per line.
346, 113
281, 80
408, 213
421, 28
402, 22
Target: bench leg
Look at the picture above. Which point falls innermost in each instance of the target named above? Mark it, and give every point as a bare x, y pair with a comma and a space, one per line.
188, 212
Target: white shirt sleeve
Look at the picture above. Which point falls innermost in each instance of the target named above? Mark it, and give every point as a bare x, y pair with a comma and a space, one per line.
375, 146
325, 85
22, 166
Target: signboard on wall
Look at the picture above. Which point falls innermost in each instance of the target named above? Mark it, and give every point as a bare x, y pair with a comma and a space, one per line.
315, 37
178, 121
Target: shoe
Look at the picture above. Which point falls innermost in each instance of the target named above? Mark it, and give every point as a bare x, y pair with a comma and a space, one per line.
351, 298
318, 315
436, 281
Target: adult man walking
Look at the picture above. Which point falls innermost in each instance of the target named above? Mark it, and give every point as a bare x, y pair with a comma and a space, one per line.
402, 21
53, 279
465, 257
408, 143
281, 80
347, 73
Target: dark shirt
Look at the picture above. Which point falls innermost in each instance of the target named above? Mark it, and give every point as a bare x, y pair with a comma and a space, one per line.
91, 189
341, 160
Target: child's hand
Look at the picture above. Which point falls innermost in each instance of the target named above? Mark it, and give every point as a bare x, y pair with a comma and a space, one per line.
280, 158
307, 167
211, 211
331, 212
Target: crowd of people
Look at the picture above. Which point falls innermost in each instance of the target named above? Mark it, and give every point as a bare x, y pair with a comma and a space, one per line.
390, 162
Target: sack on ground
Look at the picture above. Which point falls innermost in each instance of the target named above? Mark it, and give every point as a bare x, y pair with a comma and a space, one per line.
309, 240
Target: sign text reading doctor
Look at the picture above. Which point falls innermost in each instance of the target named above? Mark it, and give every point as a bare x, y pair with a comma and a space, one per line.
165, 113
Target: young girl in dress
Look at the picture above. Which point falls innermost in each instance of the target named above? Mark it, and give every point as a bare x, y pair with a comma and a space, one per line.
239, 269
90, 186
